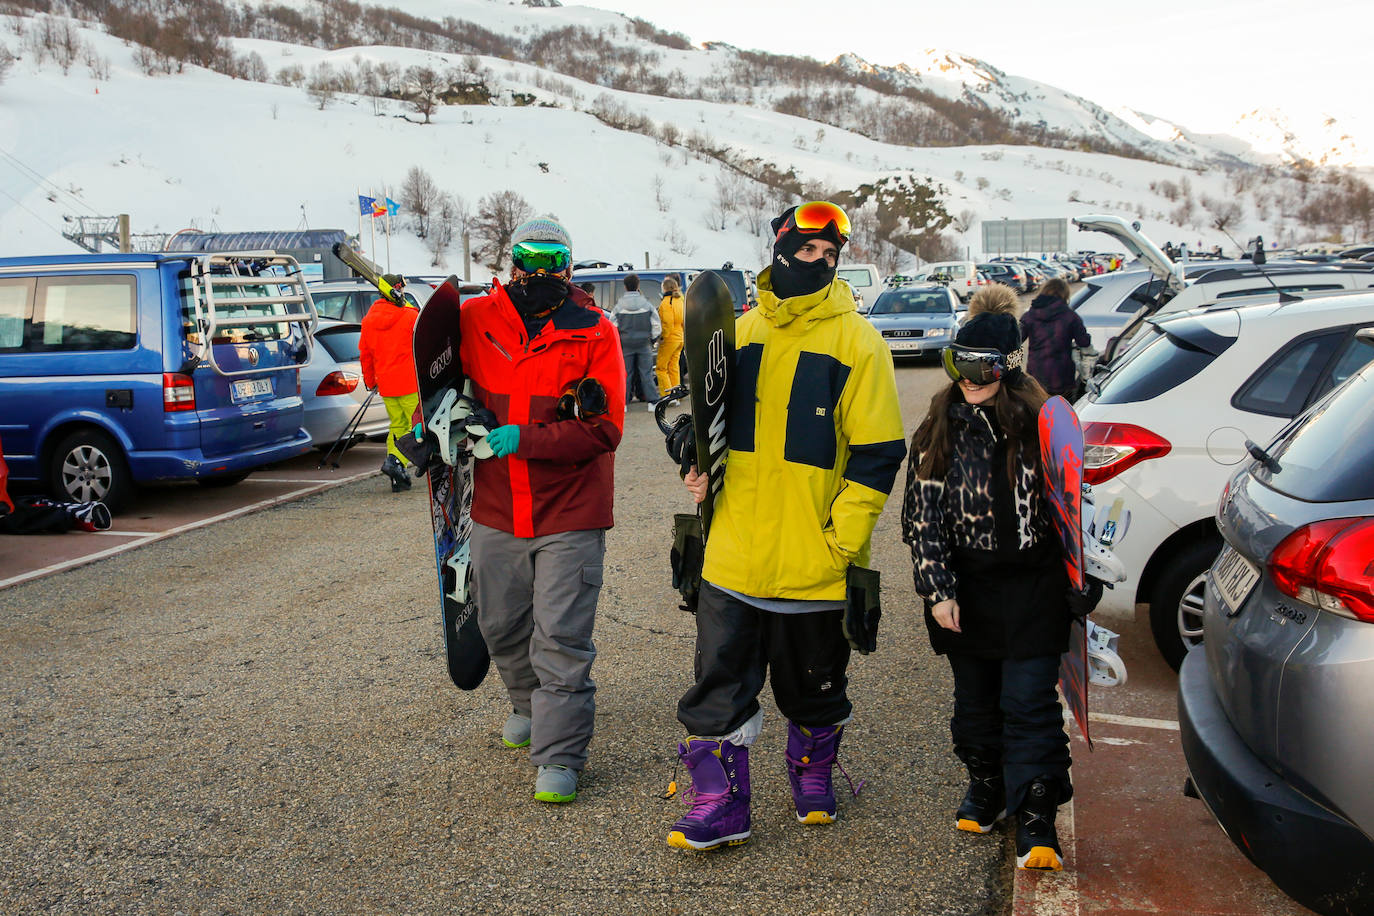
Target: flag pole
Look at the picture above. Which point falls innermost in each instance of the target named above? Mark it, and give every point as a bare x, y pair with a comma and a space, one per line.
360, 215
388, 235
372, 229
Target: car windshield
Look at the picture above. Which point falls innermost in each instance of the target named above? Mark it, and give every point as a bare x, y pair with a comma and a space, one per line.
912, 302
1325, 457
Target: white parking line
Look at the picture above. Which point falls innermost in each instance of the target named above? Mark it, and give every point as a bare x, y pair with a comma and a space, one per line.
149, 537
1133, 721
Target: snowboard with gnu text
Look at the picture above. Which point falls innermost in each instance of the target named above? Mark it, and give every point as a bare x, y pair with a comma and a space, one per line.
443, 450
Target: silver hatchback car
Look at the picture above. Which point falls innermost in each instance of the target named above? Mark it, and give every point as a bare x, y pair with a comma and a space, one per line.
1275, 709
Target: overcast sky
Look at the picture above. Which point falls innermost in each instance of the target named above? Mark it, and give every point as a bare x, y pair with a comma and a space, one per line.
1201, 63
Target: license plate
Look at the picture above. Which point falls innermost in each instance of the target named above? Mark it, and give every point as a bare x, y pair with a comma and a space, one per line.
905, 344
1234, 577
248, 388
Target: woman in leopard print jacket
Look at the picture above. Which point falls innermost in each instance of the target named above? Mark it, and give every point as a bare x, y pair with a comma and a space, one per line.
990, 571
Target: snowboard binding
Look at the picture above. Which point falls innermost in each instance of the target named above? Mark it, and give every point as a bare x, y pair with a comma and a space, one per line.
1102, 529
460, 426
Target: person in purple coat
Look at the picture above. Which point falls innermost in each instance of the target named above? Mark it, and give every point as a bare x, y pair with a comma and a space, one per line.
1051, 330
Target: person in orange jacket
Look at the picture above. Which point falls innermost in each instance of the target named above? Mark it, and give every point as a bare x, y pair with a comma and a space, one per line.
671, 312
385, 350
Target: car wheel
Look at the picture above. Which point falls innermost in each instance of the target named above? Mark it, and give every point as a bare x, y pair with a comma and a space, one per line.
1176, 602
89, 466
223, 480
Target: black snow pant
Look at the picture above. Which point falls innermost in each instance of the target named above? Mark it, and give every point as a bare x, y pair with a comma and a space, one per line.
1008, 708
737, 644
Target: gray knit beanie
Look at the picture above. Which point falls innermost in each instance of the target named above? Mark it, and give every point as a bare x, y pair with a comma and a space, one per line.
541, 229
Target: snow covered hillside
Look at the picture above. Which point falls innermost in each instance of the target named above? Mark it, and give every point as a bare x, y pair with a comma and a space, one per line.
199, 149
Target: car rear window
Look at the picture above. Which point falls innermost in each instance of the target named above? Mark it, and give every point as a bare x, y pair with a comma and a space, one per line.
1177, 355
1326, 456
340, 343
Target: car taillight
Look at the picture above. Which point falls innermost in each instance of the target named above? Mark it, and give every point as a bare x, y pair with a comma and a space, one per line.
1329, 564
178, 392
337, 382
1110, 448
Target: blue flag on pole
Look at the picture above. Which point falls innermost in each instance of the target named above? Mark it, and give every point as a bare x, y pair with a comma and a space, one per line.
392, 207
365, 205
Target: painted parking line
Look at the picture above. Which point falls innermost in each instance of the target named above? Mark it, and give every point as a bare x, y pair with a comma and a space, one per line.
149, 537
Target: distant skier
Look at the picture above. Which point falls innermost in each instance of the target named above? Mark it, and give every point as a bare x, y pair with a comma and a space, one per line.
815, 440
388, 363
546, 361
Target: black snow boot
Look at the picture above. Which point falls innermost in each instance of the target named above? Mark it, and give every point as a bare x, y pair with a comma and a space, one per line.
393, 468
1037, 843
985, 802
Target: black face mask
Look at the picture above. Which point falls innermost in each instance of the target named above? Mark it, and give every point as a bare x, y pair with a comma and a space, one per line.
538, 295
793, 277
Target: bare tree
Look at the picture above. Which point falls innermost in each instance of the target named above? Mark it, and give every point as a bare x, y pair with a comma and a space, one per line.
498, 214
255, 68
321, 85
6, 61
441, 227
423, 87
755, 205
419, 194
1225, 212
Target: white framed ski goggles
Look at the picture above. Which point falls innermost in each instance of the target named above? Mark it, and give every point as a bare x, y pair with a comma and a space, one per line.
537, 257
978, 365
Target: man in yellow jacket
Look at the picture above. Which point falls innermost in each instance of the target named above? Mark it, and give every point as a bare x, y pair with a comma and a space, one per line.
815, 440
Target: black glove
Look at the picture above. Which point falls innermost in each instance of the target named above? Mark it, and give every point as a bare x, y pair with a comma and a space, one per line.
861, 609
1081, 604
586, 398
682, 443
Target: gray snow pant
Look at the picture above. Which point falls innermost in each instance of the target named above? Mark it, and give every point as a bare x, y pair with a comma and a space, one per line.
536, 605
639, 364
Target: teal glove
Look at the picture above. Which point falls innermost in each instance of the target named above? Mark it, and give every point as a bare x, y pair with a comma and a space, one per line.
504, 440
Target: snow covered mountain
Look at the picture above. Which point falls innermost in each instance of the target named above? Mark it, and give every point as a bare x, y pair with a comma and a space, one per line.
647, 148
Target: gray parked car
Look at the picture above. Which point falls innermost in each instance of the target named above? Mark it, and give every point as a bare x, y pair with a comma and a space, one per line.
917, 320
1275, 709
332, 387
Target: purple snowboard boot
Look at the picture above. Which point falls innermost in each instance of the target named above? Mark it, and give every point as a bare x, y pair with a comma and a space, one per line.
719, 795
811, 753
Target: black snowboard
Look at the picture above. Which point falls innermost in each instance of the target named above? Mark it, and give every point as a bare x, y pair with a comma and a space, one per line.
709, 345
437, 371
450, 487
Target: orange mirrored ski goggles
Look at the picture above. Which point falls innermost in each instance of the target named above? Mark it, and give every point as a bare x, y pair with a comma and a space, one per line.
816, 215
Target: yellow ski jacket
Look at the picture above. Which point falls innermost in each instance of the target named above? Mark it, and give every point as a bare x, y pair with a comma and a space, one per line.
815, 441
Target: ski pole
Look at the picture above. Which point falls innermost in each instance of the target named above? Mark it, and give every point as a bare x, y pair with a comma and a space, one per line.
350, 430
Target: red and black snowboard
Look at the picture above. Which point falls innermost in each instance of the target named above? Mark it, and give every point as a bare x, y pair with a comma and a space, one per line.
1061, 456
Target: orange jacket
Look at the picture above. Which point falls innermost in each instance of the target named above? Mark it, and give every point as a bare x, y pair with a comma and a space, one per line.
385, 348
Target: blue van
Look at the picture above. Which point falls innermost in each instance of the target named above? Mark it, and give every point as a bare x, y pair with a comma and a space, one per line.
121, 369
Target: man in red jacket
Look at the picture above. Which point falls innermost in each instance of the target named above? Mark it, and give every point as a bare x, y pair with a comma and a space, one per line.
385, 348
547, 362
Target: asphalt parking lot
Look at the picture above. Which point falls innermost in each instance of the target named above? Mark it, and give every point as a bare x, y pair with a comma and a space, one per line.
250, 714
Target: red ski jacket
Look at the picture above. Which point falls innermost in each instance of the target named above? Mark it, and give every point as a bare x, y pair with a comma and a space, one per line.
561, 478
385, 349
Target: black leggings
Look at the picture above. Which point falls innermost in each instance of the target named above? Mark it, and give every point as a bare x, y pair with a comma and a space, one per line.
738, 643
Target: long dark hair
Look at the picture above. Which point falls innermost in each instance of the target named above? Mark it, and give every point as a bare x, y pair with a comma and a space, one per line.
1017, 408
